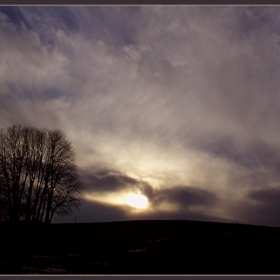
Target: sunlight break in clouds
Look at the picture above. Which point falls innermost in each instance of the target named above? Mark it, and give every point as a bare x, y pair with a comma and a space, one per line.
136, 200
178, 104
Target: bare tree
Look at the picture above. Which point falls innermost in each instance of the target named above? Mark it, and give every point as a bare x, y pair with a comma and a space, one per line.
38, 176
63, 189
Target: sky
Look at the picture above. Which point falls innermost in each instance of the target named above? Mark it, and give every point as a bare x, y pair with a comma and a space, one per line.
176, 106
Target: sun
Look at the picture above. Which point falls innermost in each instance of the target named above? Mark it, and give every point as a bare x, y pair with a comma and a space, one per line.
136, 200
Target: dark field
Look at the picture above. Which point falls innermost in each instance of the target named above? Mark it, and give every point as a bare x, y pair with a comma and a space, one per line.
139, 247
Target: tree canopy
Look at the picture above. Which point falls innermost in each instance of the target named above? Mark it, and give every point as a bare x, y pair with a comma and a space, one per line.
38, 175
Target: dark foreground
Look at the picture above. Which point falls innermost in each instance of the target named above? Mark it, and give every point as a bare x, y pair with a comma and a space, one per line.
139, 247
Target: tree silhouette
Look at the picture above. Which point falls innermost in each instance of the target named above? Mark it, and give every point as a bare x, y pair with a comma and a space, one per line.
38, 175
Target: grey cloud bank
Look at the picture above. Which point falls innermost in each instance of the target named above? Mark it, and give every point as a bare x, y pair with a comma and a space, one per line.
180, 104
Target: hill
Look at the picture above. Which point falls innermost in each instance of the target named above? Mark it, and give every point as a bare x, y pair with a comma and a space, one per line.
139, 247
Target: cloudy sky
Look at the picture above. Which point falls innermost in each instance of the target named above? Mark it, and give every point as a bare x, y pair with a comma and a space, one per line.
176, 105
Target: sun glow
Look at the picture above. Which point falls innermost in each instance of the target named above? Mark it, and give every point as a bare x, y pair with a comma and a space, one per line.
136, 200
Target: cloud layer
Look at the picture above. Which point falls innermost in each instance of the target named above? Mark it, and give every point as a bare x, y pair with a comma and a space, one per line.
180, 104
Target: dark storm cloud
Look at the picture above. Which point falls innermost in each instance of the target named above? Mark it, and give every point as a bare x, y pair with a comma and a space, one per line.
110, 181
107, 181
185, 196
147, 190
266, 196
262, 207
